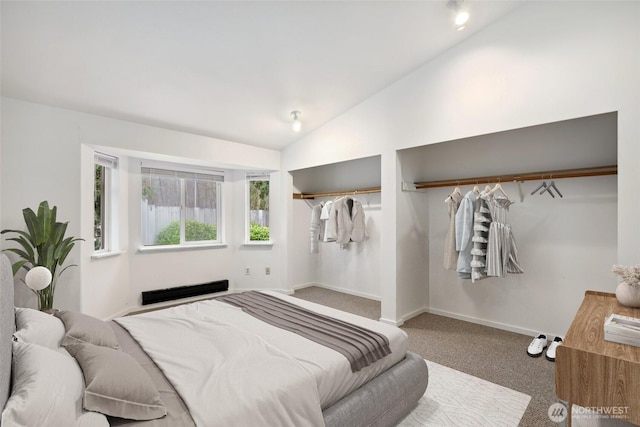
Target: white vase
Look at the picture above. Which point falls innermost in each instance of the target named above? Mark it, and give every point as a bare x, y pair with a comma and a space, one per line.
628, 295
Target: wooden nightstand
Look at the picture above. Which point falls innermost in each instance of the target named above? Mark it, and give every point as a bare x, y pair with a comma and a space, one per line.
595, 373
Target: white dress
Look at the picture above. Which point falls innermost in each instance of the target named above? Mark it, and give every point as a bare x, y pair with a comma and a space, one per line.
502, 252
450, 253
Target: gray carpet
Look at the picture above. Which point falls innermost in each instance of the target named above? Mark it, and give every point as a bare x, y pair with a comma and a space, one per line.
491, 354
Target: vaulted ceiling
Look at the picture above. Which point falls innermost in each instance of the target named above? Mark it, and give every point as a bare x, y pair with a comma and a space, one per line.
232, 70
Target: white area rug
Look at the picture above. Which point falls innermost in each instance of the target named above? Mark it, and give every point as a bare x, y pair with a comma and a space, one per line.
454, 398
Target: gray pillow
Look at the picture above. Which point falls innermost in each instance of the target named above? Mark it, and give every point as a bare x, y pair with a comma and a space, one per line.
83, 328
116, 384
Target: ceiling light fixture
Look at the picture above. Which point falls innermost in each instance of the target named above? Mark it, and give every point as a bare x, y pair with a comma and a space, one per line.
461, 13
297, 124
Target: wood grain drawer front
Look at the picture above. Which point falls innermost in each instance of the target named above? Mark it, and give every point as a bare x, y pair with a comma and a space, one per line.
595, 373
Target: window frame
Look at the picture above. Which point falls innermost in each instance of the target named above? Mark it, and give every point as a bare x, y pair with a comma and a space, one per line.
255, 176
183, 173
109, 174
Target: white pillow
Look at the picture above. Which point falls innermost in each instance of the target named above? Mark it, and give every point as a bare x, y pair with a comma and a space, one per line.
36, 327
47, 390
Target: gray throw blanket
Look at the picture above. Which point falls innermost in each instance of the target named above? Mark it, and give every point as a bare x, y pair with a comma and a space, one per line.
360, 346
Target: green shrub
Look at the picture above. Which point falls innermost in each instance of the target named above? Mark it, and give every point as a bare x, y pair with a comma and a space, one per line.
194, 231
258, 232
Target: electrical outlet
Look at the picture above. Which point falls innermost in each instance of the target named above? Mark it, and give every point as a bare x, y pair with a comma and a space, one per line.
247, 271
267, 270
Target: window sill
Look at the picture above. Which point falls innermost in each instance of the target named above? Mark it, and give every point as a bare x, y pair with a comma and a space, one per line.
179, 248
101, 255
262, 243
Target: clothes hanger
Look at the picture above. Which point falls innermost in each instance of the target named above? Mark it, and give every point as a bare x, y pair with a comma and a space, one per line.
499, 188
455, 191
543, 186
548, 190
487, 190
553, 184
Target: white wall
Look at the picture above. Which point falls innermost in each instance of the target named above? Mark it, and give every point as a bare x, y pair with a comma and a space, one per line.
38, 146
354, 269
45, 155
565, 245
357, 268
530, 68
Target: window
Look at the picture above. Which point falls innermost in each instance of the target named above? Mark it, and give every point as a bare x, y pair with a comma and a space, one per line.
103, 202
181, 207
258, 208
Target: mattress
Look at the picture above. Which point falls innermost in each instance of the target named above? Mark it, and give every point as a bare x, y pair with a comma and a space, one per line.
330, 370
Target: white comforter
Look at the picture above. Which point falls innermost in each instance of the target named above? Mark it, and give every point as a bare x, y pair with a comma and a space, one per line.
234, 370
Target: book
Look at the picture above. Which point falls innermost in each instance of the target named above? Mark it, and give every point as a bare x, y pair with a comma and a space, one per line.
622, 329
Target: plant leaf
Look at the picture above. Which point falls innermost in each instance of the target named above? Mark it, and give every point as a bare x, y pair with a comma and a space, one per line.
59, 229
16, 266
44, 217
66, 247
24, 234
33, 225
26, 245
47, 258
20, 253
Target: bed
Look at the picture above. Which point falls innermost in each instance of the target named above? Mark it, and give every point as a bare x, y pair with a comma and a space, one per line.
310, 382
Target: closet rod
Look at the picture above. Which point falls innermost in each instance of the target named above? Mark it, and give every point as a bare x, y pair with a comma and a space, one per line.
533, 176
336, 193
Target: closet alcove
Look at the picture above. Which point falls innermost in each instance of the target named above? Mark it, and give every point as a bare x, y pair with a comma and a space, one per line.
356, 269
566, 244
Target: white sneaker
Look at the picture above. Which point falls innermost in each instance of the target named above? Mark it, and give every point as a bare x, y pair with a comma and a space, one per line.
537, 346
551, 351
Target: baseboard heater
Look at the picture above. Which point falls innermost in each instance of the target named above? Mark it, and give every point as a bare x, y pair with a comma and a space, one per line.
170, 294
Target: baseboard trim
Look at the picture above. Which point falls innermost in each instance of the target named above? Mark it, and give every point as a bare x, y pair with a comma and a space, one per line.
338, 289
391, 322
413, 314
484, 322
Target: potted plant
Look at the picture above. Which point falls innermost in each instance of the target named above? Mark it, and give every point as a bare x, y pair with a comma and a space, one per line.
43, 244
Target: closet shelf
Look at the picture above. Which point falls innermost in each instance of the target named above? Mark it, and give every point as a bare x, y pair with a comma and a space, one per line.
531, 176
337, 193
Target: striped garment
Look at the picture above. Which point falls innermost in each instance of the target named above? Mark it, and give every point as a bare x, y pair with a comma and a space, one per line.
481, 219
502, 252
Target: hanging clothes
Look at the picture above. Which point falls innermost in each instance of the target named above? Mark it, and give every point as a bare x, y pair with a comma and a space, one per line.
316, 230
350, 221
450, 253
324, 217
481, 223
464, 233
502, 252
359, 231
332, 222
343, 221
